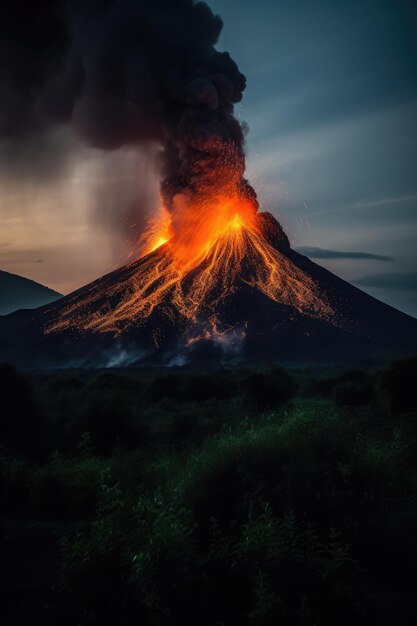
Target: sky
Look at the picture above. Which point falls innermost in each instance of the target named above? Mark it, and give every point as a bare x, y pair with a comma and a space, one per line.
331, 105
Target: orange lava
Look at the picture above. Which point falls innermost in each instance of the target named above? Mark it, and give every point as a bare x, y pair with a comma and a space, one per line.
195, 257
194, 226
157, 233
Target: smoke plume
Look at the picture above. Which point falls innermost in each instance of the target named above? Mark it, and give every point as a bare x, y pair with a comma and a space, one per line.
125, 72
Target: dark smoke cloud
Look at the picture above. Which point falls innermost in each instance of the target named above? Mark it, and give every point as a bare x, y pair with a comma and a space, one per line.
125, 192
124, 72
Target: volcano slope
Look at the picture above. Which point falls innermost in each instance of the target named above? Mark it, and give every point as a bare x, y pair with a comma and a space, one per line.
248, 298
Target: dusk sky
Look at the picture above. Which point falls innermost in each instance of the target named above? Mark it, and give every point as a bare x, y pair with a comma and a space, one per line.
332, 151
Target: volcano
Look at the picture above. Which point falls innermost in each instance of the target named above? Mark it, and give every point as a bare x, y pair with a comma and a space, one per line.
215, 279
246, 297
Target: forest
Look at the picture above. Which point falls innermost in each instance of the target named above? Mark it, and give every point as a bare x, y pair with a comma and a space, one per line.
228, 497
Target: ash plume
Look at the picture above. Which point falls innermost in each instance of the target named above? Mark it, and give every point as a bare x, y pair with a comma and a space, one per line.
124, 72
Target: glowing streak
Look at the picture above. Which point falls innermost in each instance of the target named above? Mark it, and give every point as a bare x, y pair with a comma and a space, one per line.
158, 243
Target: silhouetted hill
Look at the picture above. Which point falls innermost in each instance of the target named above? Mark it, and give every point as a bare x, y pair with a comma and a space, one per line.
17, 292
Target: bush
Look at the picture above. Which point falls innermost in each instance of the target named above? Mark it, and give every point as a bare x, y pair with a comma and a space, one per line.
201, 387
166, 386
268, 390
206, 547
111, 421
66, 487
20, 424
270, 460
350, 393
144, 550
72, 385
397, 385
349, 388
183, 429
235, 513
120, 384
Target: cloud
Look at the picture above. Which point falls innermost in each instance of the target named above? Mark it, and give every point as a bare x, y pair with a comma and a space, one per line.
395, 280
365, 204
320, 253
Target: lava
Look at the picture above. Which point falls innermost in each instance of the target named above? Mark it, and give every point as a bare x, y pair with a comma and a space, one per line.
157, 233
194, 260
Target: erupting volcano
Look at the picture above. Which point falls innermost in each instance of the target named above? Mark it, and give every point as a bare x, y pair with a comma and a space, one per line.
214, 271
188, 277
236, 293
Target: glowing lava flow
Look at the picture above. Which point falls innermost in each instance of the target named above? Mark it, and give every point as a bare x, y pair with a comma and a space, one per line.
192, 266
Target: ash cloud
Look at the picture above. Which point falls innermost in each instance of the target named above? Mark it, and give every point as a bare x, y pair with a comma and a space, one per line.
123, 73
125, 192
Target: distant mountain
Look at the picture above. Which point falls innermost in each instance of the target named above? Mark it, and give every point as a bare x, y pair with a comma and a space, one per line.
17, 292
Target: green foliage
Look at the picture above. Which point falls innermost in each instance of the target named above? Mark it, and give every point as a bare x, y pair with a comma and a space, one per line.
348, 388
19, 419
66, 487
201, 387
353, 393
216, 497
396, 386
166, 386
268, 390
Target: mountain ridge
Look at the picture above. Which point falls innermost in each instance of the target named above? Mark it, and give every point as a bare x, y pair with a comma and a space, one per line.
19, 292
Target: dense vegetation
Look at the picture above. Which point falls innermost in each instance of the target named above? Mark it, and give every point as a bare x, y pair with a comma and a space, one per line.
235, 497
